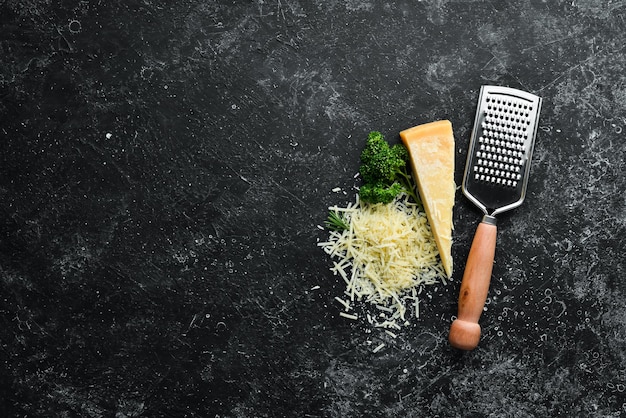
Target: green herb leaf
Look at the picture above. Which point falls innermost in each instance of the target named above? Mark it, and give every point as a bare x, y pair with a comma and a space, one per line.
336, 222
385, 171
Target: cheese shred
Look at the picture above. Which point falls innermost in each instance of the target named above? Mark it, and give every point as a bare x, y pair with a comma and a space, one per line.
349, 316
385, 258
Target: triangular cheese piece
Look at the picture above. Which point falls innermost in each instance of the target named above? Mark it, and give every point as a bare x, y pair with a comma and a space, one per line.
431, 148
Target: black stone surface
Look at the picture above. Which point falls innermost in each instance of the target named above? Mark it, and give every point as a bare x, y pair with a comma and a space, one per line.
164, 167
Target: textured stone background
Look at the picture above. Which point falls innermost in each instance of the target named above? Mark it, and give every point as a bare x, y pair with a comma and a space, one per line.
164, 167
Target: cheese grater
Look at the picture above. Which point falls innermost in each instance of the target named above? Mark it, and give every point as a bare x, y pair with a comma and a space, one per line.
495, 180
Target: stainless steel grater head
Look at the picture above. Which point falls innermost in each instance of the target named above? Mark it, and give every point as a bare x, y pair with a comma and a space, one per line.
500, 150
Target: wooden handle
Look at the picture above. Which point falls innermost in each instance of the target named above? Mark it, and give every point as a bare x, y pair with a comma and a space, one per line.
465, 331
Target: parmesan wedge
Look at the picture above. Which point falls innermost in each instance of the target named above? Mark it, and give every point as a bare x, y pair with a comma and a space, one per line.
431, 148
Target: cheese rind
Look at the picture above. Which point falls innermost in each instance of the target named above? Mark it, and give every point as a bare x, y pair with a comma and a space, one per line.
431, 148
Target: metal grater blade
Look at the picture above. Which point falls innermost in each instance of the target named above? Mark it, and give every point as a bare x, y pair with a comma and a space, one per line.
500, 150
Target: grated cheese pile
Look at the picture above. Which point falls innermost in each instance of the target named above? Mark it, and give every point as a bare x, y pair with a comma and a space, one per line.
385, 258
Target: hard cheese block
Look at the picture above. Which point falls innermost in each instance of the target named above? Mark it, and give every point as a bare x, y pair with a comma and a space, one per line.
431, 147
